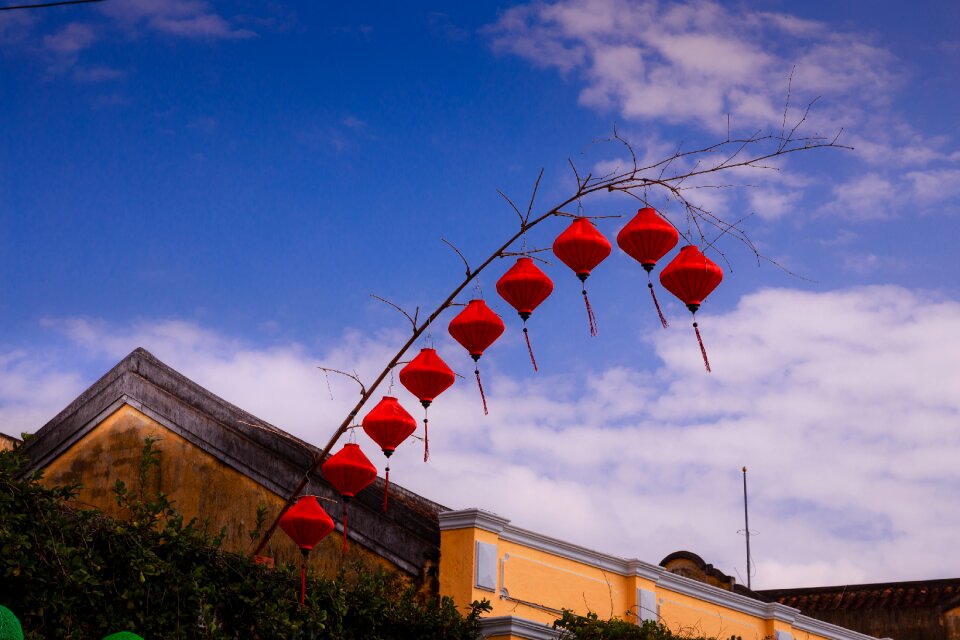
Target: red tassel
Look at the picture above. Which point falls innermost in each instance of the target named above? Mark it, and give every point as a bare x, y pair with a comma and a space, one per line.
592, 318
386, 490
482, 395
346, 515
426, 437
529, 348
703, 349
663, 320
303, 579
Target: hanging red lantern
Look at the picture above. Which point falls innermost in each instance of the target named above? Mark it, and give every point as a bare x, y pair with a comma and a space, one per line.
646, 239
350, 472
476, 328
307, 524
582, 247
426, 377
525, 286
691, 276
388, 424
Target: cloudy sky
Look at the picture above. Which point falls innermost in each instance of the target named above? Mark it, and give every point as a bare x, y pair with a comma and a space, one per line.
226, 183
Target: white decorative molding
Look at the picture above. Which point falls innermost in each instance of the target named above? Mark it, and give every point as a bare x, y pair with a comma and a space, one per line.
472, 519
722, 597
783, 635
589, 557
517, 628
485, 573
647, 608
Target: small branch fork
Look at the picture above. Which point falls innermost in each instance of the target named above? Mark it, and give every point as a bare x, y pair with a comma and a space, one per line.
634, 179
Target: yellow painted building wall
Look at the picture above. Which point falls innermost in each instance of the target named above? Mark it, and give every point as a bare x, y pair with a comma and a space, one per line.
199, 485
538, 577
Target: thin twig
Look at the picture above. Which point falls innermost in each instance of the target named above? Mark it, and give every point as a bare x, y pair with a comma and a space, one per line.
412, 319
519, 215
353, 376
452, 246
533, 196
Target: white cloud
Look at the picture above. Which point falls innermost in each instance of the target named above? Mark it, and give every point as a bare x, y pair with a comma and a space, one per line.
182, 18
701, 62
870, 196
842, 404
696, 62
70, 40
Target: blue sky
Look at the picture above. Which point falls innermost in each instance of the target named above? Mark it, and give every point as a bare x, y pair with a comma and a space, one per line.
225, 183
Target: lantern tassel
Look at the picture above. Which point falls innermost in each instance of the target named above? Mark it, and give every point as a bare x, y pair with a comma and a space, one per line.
663, 320
526, 335
703, 349
482, 394
426, 437
386, 489
590, 317
346, 515
303, 577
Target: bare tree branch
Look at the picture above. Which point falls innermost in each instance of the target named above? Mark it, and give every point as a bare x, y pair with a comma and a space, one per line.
353, 376
533, 196
412, 319
749, 152
519, 215
452, 246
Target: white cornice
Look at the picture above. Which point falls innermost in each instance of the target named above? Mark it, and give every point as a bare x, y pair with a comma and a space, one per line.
517, 628
472, 519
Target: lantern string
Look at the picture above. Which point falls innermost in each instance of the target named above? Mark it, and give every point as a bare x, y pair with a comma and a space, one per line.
386, 489
703, 349
426, 436
590, 317
346, 515
526, 335
303, 577
483, 396
663, 320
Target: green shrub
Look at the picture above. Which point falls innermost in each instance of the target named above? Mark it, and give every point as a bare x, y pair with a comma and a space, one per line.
77, 574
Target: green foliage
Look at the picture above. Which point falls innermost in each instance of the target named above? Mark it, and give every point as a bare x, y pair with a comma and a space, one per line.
591, 627
76, 574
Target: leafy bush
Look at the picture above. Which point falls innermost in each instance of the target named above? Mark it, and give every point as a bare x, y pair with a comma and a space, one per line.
591, 627
77, 574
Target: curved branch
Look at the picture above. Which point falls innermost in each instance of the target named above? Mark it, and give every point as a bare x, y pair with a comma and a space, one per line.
412, 319
353, 376
626, 182
452, 246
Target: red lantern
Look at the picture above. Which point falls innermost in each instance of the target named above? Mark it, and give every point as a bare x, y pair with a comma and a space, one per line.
525, 286
426, 377
646, 239
691, 276
582, 247
307, 524
349, 471
476, 328
388, 424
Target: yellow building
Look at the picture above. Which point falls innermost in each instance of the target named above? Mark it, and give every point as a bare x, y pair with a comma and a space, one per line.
220, 464
531, 578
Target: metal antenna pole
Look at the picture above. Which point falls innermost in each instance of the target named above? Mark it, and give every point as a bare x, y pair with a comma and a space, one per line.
746, 523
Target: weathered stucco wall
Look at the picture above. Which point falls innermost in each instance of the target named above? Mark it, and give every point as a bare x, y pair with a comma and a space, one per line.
199, 485
6, 442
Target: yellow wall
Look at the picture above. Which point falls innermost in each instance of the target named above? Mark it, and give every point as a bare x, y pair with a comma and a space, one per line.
538, 577
199, 485
6, 442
